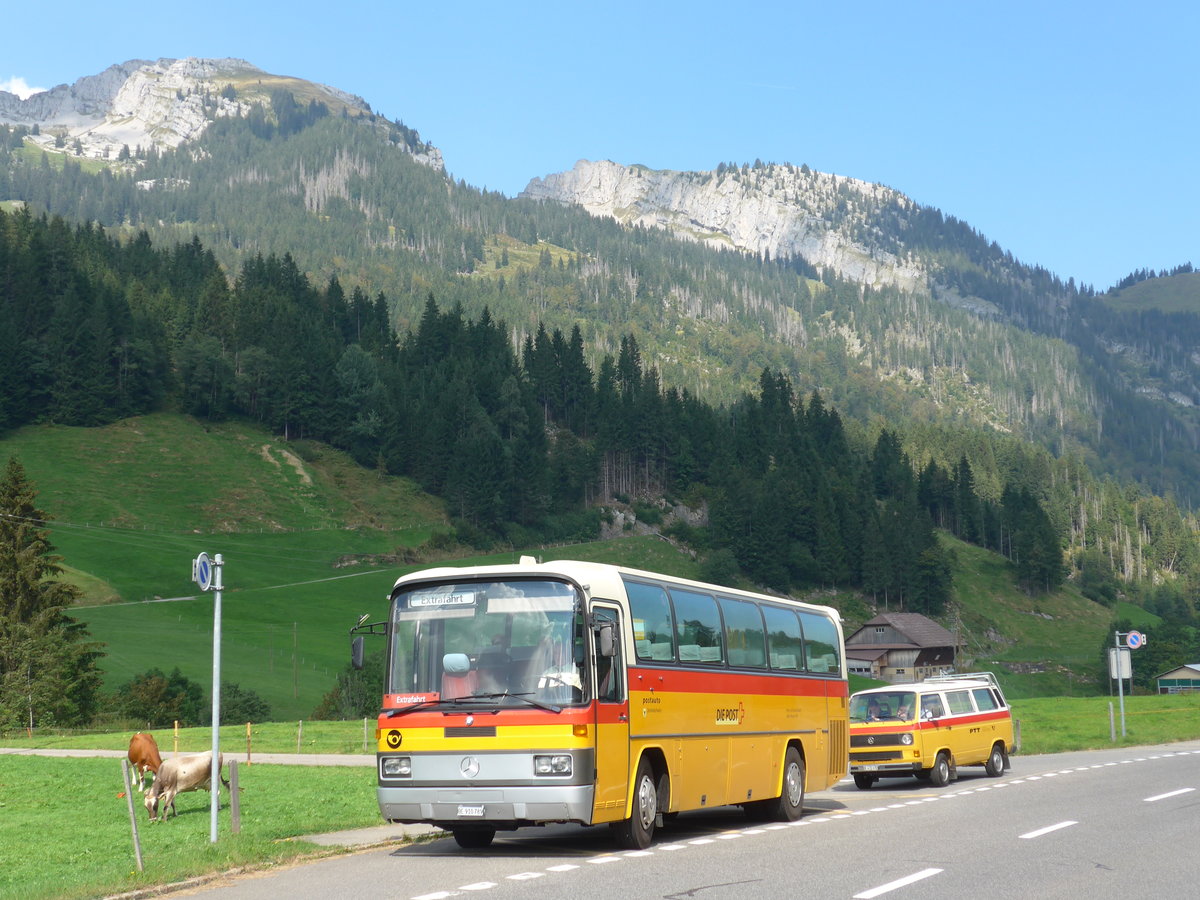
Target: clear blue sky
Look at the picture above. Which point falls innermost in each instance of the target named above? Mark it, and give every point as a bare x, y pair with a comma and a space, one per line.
1065, 132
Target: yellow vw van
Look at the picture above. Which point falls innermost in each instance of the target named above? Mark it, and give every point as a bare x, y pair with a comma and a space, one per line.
929, 729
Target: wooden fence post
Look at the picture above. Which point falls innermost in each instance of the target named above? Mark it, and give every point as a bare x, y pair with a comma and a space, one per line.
235, 804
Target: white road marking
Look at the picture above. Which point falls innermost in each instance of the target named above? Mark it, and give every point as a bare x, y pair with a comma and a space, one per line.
601, 860
525, 876
898, 883
566, 867
1048, 829
1170, 794
478, 886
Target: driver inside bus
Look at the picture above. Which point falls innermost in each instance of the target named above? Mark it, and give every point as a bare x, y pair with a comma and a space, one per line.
555, 661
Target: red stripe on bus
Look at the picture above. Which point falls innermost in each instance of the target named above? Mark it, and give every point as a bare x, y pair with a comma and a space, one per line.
691, 681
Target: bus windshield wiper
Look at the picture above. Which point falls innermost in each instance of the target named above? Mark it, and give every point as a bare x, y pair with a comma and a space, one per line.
424, 704
428, 704
523, 697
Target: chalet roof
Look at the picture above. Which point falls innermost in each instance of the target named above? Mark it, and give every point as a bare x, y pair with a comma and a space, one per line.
918, 629
1193, 668
863, 651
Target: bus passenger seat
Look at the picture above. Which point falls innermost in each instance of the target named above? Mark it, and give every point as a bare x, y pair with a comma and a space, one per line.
460, 685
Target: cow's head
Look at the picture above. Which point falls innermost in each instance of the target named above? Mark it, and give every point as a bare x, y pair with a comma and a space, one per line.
151, 801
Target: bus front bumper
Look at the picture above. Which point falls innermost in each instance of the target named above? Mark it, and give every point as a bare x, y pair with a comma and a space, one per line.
498, 807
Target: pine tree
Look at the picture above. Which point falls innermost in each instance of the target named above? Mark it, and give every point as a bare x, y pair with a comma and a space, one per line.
48, 672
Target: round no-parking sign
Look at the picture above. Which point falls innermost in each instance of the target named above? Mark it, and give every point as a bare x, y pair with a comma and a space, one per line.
1134, 639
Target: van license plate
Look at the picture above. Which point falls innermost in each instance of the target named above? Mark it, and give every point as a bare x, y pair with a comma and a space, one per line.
466, 812
866, 768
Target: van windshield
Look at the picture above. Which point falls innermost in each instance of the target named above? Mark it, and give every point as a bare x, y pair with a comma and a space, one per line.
883, 706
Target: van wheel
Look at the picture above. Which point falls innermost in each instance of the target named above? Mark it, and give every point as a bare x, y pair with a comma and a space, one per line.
864, 782
636, 832
474, 838
939, 775
995, 762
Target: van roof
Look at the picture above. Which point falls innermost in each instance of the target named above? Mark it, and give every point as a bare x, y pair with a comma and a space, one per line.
939, 683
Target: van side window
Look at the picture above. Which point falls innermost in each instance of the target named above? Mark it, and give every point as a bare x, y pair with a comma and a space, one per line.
959, 702
984, 699
931, 707
783, 638
697, 628
820, 643
653, 630
743, 633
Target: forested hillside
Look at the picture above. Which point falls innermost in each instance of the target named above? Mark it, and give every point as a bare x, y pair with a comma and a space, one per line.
993, 345
522, 441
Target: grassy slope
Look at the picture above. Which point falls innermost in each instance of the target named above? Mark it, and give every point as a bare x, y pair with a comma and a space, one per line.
1178, 293
133, 503
1004, 627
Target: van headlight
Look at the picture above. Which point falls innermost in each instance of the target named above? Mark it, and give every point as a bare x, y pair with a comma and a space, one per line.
906, 739
397, 766
558, 764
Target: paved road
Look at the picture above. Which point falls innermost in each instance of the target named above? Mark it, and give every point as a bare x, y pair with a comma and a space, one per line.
1111, 823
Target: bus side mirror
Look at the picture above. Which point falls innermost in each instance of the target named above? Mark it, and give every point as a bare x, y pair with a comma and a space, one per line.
605, 640
356, 652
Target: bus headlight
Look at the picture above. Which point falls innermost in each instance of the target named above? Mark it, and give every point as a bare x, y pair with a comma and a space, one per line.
906, 739
397, 766
559, 764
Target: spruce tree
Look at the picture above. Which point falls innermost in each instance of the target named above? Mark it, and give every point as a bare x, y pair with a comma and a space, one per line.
48, 672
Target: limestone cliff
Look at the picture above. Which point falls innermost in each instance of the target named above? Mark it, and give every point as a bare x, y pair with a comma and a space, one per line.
161, 104
781, 210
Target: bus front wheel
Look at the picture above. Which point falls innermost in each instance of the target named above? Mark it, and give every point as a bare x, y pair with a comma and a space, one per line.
636, 832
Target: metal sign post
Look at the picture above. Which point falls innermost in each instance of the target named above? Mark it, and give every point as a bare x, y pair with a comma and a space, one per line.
1120, 664
207, 574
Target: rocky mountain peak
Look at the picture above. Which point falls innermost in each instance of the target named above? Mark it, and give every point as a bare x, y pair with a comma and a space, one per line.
780, 210
158, 104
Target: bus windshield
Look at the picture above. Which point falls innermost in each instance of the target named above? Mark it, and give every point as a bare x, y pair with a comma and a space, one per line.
881, 706
491, 642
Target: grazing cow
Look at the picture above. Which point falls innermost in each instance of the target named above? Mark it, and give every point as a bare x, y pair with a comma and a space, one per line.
144, 757
178, 775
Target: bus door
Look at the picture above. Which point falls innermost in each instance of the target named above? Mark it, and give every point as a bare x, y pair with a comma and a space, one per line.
612, 719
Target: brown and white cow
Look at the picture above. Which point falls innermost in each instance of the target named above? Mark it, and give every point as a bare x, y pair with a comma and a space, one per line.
178, 775
143, 757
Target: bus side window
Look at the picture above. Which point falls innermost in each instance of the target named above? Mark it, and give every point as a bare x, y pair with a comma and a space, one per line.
783, 638
654, 632
744, 639
821, 645
698, 627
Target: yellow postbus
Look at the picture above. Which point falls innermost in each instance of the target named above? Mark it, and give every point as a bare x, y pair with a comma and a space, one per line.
568, 691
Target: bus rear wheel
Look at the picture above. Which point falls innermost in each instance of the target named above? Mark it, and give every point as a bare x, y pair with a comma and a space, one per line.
636, 832
789, 805
474, 838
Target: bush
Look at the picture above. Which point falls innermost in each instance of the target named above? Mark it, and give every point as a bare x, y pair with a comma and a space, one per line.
157, 700
241, 705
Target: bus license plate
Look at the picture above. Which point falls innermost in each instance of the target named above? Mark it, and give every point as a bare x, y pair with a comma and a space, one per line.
470, 812
865, 768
